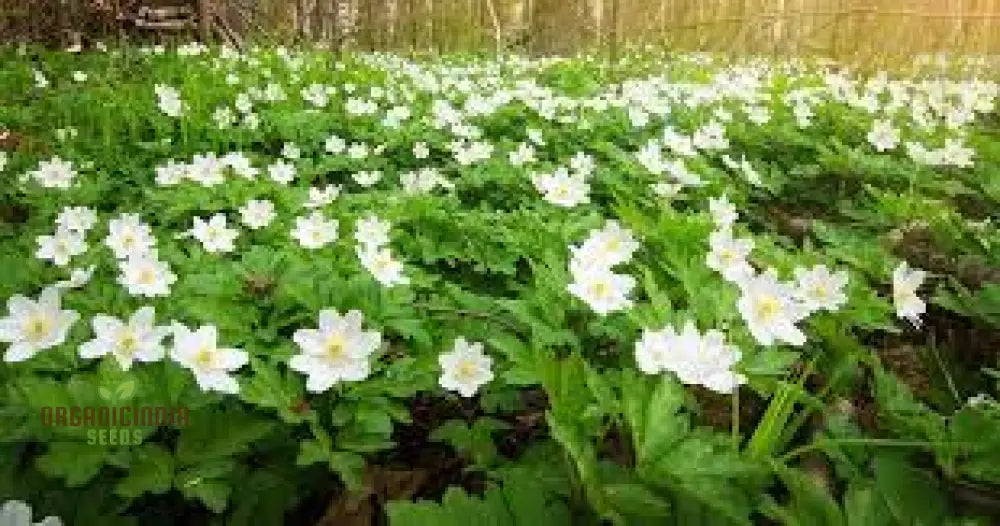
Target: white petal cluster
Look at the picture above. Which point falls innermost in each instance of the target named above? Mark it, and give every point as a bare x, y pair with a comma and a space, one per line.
54, 173
320, 197
212, 366
140, 270
375, 256
339, 350
137, 339
562, 188
257, 213
905, 283
465, 368
18, 513
771, 310
696, 359
169, 100
423, 181
315, 231
214, 234
32, 326
594, 282
61, 246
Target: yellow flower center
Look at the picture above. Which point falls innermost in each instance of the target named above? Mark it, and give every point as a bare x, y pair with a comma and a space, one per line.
767, 307
600, 290
127, 342
465, 370
205, 357
37, 328
147, 276
335, 348
820, 292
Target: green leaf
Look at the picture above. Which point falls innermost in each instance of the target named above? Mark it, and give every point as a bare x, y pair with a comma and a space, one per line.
75, 462
151, 470
213, 435
270, 389
911, 495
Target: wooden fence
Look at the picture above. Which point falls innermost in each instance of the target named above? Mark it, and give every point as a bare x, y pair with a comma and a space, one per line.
834, 28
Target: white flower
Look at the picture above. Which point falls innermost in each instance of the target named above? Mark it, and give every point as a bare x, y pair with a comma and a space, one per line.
420, 150
40, 81
723, 212
79, 76
770, 310
316, 95
169, 100
290, 151
138, 339
535, 136
561, 188
54, 173
380, 263
33, 326
423, 181
77, 218
955, 153
465, 368
335, 145
77, 278
257, 213
199, 351
749, 172
728, 256
357, 151
60, 247
17, 513
320, 197
372, 231
695, 359
146, 276
170, 173
243, 103
524, 154
666, 190
251, 121
758, 115
367, 178
680, 172
214, 235
601, 289
818, 289
281, 172
3, 159
678, 143
607, 247
315, 231
223, 117
240, 165
339, 350
582, 164
129, 237
905, 282
206, 169
883, 136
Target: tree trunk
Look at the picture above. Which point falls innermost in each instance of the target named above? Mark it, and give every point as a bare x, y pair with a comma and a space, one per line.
204, 20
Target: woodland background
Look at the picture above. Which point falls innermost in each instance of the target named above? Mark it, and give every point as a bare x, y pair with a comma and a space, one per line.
829, 28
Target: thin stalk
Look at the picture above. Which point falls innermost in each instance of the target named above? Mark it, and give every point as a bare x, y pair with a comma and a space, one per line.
873, 442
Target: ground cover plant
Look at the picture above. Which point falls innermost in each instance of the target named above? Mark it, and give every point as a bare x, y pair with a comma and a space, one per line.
462, 290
